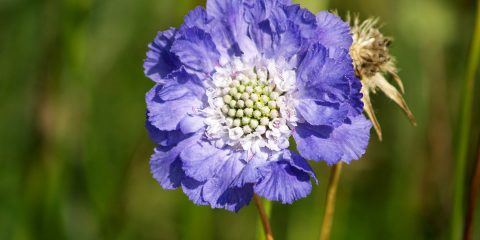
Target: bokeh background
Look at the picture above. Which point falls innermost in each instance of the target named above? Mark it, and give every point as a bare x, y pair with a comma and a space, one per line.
74, 152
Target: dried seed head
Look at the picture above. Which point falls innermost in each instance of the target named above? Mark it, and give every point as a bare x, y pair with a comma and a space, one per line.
372, 61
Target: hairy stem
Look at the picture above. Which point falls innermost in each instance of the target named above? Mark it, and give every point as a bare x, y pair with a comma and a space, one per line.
330, 203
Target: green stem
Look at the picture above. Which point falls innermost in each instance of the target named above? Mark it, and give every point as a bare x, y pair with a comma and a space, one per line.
330, 202
464, 132
264, 208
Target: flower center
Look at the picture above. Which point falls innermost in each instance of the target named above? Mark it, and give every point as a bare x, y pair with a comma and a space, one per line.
249, 104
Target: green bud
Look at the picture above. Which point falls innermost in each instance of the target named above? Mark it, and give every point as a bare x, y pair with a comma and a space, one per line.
265, 110
258, 89
264, 121
232, 112
272, 104
241, 88
233, 103
237, 96
265, 98
236, 122
274, 113
274, 95
240, 104
245, 120
225, 109
233, 91
227, 99
254, 123
259, 105
239, 113
248, 112
257, 114
247, 129
249, 103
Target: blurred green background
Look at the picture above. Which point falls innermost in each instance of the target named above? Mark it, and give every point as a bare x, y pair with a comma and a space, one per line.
74, 152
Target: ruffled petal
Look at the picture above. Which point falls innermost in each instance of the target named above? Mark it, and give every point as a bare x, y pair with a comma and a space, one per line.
229, 29
193, 189
321, 113
166, 166
160, 60
344, 143
284, 181
220, 9
329, 92
196, 50
303, 18
164, 138
198, 17
166, 114
321, 77
332, 31
220, 191
203, 160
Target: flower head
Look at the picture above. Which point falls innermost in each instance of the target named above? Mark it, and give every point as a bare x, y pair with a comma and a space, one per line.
372, 62
234, 83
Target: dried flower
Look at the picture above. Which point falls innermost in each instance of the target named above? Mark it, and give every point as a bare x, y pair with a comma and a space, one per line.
234, 83
372, 62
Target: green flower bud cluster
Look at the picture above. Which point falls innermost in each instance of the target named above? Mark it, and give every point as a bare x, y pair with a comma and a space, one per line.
249, 104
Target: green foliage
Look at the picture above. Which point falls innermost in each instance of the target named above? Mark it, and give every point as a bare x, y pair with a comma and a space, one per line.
74, 152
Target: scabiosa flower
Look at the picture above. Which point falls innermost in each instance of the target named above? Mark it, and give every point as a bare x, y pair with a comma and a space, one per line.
372, 62
234, 83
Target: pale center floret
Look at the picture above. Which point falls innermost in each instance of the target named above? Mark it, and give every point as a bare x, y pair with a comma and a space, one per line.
250, 105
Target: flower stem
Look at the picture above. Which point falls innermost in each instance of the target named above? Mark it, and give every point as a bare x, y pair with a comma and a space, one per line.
464, 132
474, 188
264, 216
330, 203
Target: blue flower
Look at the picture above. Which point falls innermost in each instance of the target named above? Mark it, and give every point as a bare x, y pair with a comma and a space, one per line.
234, 84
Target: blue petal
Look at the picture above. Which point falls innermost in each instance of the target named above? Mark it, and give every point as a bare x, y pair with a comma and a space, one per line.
220, 9
166, 166
346, 142
160, 61
196, 50
219, 169
321, 77
270, 29
234, 198
332, 31
220, 191
321, 113
193, 189
284, 181
198, 17
165, 115
163, 165
229, 29
303, 18
164, 138
183, 80
203, 160
191, 124
329, 92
